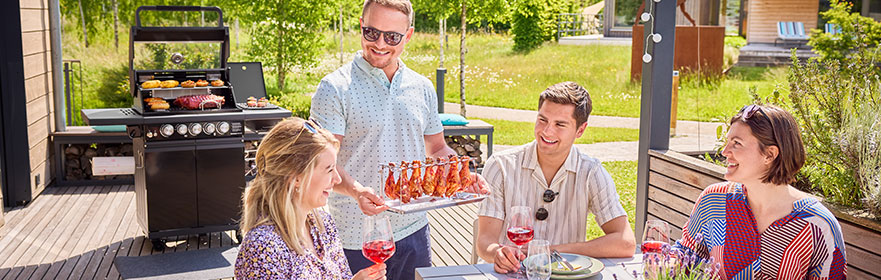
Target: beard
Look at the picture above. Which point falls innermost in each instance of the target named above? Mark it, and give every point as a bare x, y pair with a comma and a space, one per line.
379, 62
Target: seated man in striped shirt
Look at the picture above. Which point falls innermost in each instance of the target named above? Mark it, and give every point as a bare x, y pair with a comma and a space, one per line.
560, 185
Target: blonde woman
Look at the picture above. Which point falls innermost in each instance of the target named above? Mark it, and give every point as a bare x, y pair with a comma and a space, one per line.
287, 236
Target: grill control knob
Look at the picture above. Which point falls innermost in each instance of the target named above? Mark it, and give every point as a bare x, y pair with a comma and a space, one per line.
182, 129
166, 130
149, 134
195, 129
209, 128
222, 127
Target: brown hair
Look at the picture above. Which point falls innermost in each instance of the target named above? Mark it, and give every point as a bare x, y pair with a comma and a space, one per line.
567, 93
774, 126
288, 152
403, 6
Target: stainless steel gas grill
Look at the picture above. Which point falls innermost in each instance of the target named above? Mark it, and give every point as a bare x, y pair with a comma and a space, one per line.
189, 151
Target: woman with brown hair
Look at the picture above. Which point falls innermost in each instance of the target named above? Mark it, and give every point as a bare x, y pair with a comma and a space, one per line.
287, 236
756, 225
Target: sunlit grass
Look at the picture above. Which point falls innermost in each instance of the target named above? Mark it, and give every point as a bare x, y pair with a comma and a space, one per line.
498, 77
519, 133
624, 175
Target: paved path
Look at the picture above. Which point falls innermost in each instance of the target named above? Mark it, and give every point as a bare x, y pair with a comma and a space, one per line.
690, 135
596, 39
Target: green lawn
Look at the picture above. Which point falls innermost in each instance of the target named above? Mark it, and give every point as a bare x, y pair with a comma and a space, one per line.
497, 77
624, 175
518, 133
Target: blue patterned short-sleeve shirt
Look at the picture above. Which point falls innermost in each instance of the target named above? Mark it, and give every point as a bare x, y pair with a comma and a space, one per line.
382, 121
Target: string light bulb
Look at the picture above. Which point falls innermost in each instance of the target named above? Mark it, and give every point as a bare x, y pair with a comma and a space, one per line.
645, 17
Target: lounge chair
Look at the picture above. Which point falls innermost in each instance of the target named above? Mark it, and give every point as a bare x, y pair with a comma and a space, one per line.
833, 29
791, 31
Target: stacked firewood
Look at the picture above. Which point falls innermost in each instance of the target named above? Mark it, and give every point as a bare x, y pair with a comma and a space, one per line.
250, 158
466, 146
78, 160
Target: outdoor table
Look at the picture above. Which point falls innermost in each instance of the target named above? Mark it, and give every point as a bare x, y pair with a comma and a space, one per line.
622, 268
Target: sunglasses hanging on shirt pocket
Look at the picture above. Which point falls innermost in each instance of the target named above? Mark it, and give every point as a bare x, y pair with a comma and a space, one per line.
548, 196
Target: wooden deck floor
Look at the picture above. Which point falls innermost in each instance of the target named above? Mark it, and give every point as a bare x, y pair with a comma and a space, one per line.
76, 232
451, 234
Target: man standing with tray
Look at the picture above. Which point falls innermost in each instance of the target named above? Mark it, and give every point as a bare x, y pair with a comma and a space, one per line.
381, 111
560, 184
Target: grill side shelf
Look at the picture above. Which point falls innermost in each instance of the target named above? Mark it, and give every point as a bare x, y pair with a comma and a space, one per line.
111, 116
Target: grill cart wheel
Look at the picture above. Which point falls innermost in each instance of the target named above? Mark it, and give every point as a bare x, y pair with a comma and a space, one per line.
158, 244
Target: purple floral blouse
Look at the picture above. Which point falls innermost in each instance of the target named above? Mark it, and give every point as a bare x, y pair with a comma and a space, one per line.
264, 255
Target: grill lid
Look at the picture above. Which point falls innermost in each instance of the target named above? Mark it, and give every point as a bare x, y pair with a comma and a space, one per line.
177, 52
248, 78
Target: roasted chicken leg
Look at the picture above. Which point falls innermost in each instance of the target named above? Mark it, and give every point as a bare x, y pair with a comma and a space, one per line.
390, 185
440, 187
465, 173
403, 182
429, 181
416, 179
453, 182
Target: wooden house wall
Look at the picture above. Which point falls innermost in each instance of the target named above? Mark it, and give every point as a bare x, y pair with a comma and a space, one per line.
36, 51
764, 14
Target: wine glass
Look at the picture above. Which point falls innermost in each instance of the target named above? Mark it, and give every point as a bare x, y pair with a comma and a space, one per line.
538, 260
655, 235
520, 229
379, 245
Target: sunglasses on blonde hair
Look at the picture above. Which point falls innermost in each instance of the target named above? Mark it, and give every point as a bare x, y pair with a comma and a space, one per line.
311, 124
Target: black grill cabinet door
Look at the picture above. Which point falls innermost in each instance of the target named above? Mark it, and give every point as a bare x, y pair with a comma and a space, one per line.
221, 167
171, 185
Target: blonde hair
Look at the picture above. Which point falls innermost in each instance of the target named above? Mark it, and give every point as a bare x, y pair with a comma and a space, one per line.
403, 6
288, 152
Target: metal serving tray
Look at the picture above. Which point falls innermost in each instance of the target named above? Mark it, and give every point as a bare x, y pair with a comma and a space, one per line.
244, 106
175, 92
426, 203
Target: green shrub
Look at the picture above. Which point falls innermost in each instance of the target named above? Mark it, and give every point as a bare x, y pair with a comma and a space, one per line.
533, 23
299, 104
824, 94
856, 32
732, 50
862, 140
113, 90
735, 41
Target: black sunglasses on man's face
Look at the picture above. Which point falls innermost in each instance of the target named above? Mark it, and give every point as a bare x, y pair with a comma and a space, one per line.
372, 34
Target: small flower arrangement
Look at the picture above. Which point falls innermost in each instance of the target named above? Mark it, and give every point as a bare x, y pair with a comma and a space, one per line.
672, 264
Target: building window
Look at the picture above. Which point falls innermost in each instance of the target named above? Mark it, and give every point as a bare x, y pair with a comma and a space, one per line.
625, 12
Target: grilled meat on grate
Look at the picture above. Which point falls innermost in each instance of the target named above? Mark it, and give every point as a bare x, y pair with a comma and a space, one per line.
202, 101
